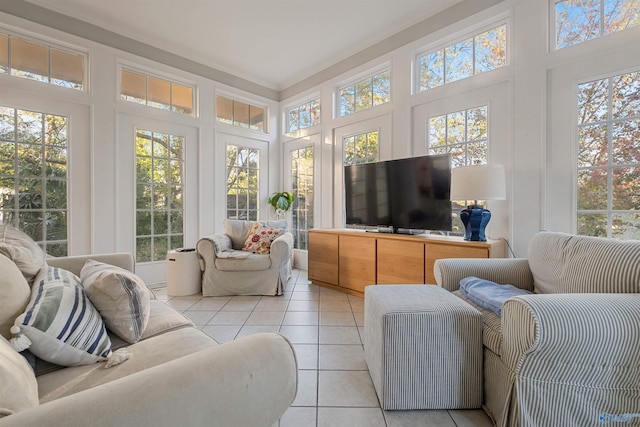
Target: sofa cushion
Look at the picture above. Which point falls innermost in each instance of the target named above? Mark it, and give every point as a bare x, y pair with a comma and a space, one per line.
62, 324
120, 296
21, 249
564, 263
18, 386
14, 294
488, 294
259, 239
254, 262
491, 326
145, 354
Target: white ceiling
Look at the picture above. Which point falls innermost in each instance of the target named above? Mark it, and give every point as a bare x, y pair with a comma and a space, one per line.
274, 43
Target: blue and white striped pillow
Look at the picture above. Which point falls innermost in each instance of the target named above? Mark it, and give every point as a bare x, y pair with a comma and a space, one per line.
63, 325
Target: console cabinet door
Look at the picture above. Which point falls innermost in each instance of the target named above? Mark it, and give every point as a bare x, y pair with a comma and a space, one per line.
323, 264
434, 251
400, 262
357, 262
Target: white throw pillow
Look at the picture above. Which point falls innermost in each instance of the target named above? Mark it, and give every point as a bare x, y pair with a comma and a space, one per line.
62, 324
18, 385
121, 297
21, 249
14, 295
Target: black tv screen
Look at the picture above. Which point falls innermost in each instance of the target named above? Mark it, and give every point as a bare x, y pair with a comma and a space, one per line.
406, 194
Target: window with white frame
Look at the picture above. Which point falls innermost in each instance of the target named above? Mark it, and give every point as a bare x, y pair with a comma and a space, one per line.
361, 148
302, 183
578, 21
243, 165
241, 114
364, 94
608, 132
33, 176
43, 62
156, 92
159, 194
477, 54
303, 116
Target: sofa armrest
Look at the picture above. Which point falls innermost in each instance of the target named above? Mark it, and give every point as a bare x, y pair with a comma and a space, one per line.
569, 338
74, 263
513, 271
281, 248
249, 382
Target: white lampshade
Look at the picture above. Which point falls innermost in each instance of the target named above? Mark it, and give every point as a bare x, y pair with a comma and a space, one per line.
478, 182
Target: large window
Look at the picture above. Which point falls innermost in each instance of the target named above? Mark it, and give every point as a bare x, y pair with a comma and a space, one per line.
42, 62
242, 182
474, 55
303, 116
159, 194
240, 114
366, 93
609, 157
361, 148
302, 183
33, 176
578, 21
156, 92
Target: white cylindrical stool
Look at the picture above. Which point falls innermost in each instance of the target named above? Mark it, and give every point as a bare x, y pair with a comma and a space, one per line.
183, 273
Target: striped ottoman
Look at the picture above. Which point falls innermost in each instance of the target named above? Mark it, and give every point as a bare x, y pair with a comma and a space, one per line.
423, 347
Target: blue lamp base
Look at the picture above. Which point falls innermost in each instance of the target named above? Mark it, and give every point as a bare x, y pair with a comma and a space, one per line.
475, 219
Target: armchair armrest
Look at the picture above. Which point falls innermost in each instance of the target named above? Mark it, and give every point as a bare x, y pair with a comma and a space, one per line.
206, 250
246, 383
514, 271
281, 248
593, 337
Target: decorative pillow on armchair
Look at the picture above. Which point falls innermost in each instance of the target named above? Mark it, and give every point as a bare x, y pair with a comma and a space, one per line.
120, 296
62, 324
14, 295
488, 294
260, 238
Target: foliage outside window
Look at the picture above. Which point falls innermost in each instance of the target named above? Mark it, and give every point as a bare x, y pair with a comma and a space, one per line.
609, 157
303, 116
475, 55
367, 93
240, 114
302, 183
33, 176
156, 92
159, 194
578, 21
361, 148
463, 134
42, 62
242, 182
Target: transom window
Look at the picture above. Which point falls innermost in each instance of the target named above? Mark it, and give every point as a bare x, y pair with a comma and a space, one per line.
578, 21
42, 62
159, 194
241, 114
361, 148
304, 115
243, 164
474, 55
33, 176
302, 183
609, 157
156, 92
370, 92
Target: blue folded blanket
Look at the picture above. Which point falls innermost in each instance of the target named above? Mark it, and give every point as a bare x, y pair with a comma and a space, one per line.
488, 294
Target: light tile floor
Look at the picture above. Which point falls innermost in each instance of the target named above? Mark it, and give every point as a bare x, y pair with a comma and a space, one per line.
326, 329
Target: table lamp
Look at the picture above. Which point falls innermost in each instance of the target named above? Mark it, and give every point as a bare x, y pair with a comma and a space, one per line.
478, 182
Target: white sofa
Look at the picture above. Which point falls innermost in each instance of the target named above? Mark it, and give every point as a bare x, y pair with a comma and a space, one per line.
252, 274
566, 354
177, 375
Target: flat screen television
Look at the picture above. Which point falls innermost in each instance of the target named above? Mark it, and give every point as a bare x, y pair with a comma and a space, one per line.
403, 195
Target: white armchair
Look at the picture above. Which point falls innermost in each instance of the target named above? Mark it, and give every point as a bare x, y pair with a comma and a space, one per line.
226, 270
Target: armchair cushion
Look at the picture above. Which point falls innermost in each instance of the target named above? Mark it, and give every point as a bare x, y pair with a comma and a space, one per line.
488, 294
259, 239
